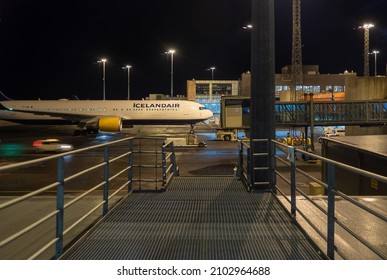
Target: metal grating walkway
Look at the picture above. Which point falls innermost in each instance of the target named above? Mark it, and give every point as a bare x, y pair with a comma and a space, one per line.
198, 218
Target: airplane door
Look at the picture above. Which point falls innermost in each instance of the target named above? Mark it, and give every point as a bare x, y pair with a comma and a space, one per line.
186, 111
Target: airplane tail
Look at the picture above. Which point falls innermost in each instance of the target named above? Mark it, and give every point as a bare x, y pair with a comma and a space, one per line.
3, 97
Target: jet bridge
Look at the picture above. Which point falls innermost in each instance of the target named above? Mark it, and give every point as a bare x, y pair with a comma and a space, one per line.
235, 113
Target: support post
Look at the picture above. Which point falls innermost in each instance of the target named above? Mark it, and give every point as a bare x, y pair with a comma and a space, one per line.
59, 208
331, 212
292, 158
130, 171
164, 165
311, 122
262, 122
240, 160
106, 179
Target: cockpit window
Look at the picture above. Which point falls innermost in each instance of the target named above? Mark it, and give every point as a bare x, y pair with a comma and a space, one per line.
202, 108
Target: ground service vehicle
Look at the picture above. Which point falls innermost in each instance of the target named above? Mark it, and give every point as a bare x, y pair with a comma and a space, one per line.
51, 145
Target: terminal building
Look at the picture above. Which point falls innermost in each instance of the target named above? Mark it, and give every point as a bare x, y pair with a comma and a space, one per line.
337, 87
209, 92
314, 82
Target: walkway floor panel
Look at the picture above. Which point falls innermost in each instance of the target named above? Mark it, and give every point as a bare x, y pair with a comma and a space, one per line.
198, 218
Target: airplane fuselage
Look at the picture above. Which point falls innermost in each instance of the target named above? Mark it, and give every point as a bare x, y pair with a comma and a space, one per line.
90, 112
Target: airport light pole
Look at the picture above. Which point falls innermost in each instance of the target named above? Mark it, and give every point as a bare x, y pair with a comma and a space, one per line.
212, 72
103, 61
128, 68
376, 68
366, 28
171, 52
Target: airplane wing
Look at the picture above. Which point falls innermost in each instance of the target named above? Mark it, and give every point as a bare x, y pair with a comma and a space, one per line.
83, 118
65, 116
86, 120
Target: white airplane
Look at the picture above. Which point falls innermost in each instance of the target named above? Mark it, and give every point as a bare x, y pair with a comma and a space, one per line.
102, 115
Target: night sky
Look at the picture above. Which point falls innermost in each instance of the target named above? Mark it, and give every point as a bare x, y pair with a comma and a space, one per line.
49, 49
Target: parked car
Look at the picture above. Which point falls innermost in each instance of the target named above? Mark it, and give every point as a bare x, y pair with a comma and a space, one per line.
329, 135
51, 145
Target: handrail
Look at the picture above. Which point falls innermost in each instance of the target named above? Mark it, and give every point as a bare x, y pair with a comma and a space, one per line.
172, 169
77, 151
338, 164
29, 195
330, 187
109, 177
332, 219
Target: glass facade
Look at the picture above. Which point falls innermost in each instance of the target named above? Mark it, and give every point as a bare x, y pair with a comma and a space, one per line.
314, 89
213, 105
202, 89
209, 93
335, 88
217, 89
222, 89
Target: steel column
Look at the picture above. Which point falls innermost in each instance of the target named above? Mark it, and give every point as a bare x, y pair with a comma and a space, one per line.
262, 89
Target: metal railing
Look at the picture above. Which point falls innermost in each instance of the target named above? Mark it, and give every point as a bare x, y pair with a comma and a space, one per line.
288, 158
111, 176
244, 162
257, 176
154, 164
169, 170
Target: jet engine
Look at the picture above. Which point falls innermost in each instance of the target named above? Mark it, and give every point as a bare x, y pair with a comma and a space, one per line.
113, 124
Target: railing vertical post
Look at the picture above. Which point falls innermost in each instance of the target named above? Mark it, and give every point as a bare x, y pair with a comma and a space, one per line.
130, 171
240, 160
139, 164
175, 170
60, 208
248, 169
331, 212
292, 158
106, 179
164, 165
156, 161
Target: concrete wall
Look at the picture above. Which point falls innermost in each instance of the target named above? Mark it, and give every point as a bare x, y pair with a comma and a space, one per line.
246, 84
365, 88
357, 130
359, 154
191, 90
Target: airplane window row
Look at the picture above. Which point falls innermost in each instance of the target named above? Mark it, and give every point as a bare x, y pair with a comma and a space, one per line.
69, 109
99, 109
154, 109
